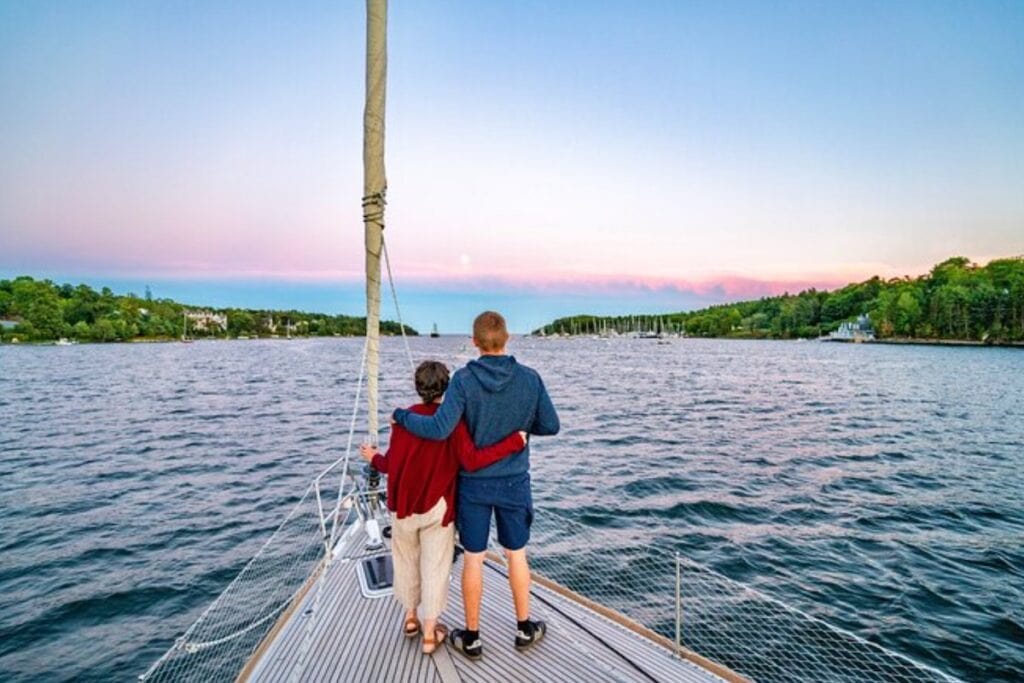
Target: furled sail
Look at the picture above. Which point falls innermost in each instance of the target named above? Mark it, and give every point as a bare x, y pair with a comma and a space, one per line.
374, 188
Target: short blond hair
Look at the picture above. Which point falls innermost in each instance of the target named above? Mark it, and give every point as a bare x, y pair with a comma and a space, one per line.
489, 331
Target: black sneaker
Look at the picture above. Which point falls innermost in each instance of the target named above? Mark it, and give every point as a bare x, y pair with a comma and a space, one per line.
531, 635
474, 650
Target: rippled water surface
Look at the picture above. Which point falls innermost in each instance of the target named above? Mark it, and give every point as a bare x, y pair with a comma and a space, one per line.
880, 488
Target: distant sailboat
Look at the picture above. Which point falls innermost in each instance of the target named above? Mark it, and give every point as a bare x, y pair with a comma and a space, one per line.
434, 332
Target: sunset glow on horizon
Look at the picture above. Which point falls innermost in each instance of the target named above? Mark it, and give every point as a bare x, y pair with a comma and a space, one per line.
702, 152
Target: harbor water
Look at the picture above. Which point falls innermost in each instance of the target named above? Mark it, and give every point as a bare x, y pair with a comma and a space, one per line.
879, 488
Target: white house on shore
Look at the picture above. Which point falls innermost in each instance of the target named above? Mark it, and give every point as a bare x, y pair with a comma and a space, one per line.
207, 320
856, 331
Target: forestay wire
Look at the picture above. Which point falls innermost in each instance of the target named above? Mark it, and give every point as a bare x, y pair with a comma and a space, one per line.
394, 297
228, 631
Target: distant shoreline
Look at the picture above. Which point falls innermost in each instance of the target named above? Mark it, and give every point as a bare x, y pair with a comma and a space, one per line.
42, 311
875, 342
892, 341
911, 341
957, 303
897, 341
173, 340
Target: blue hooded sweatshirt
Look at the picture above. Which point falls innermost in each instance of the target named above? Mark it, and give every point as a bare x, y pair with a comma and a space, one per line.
497, 396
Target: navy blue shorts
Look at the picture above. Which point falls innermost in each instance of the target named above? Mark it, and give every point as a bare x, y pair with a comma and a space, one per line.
510, 500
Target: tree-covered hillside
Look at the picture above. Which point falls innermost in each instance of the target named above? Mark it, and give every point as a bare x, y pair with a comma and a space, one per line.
40, 310
957, 300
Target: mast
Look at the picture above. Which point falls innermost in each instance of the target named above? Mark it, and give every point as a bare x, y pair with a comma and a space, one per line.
374, 187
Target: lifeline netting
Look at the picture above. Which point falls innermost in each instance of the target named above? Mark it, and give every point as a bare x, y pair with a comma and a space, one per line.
217, 645
722, 620
751, 633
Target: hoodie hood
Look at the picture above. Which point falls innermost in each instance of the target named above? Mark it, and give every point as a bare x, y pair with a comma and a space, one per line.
493, 372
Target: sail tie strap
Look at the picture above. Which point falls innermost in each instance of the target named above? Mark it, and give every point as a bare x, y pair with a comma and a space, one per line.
373, 207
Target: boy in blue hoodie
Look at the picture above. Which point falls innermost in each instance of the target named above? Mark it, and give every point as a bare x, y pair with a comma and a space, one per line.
496, 396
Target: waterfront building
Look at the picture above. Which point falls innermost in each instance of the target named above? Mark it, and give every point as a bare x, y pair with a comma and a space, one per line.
207, 320
859, 330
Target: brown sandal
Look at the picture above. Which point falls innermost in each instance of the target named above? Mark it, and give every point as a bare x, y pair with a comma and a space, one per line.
430, 645
411, 628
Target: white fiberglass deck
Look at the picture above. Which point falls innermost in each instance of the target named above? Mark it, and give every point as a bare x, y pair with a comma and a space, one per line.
348, 637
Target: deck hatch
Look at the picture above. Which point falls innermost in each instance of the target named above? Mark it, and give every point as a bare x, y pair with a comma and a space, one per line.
376, 575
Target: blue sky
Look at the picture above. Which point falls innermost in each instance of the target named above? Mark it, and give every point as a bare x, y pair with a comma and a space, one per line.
548, 158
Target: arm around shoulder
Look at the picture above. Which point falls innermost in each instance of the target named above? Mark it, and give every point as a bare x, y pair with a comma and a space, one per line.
472, 458
439, 426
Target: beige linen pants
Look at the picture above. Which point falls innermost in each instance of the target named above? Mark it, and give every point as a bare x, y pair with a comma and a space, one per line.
422, 551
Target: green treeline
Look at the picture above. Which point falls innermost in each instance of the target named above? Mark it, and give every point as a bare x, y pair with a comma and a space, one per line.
40, 310
957, 300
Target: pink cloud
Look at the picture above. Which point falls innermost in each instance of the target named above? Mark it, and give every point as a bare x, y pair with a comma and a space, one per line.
727, 287
724, 287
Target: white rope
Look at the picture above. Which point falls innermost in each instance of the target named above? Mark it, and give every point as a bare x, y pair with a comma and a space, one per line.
348, 447
255, 595
227, 630
753, 633
299, 666
398, 311
193, 647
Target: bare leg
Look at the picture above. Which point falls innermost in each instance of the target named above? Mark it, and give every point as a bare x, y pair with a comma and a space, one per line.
428, 629
519, 581
472, 588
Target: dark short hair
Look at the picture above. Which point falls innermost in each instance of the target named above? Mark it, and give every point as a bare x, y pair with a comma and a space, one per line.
431, 380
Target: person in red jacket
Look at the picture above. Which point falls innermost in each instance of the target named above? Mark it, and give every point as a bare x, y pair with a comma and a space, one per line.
421, 496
